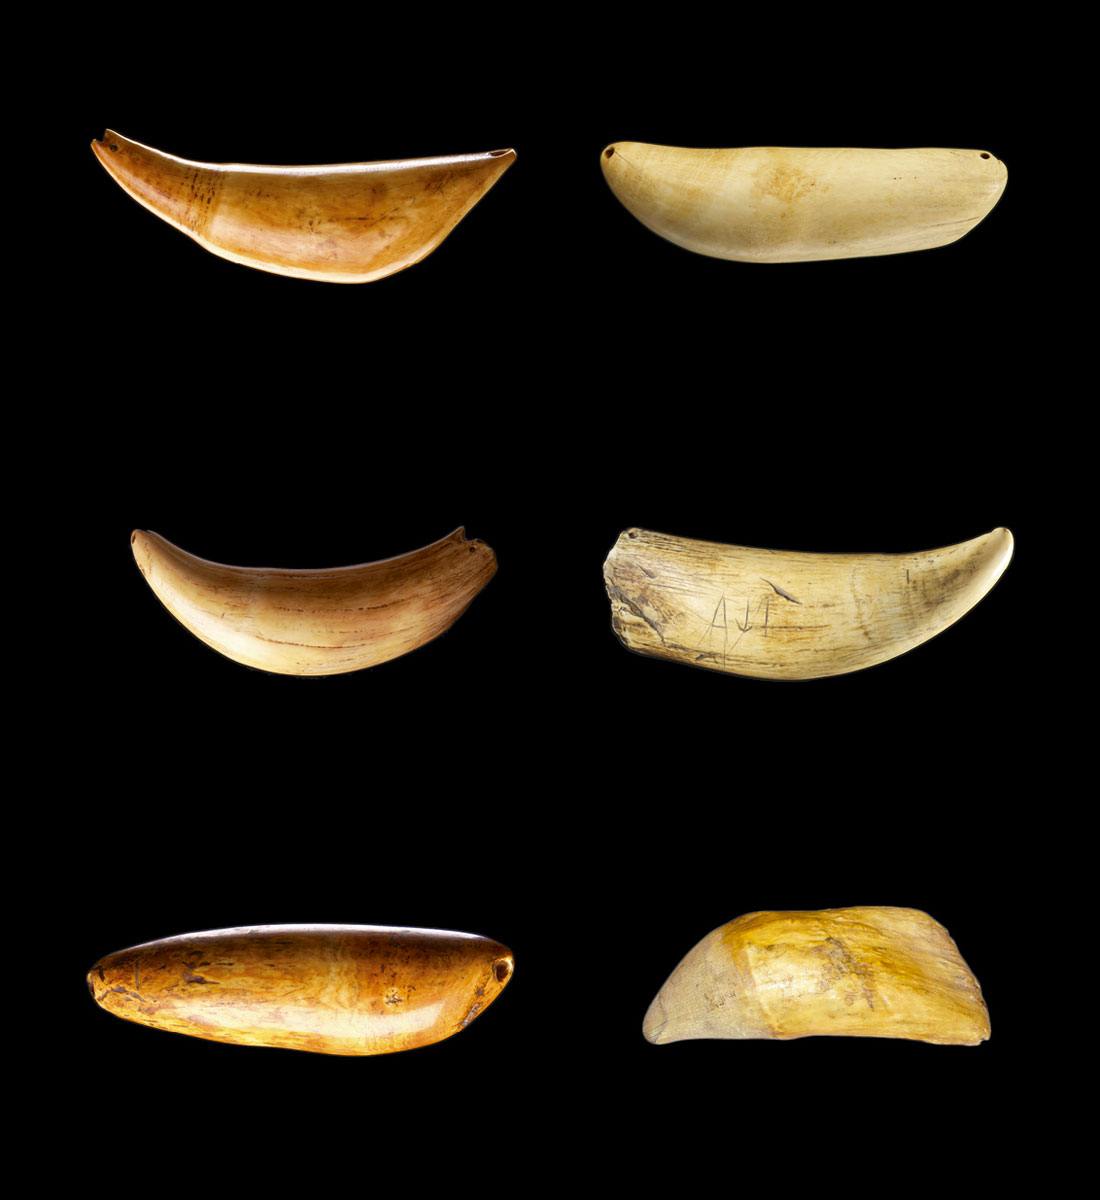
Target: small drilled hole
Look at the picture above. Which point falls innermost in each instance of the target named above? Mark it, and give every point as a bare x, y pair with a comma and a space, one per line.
502, 969
984, 155
609, 152
633, 533
473, 549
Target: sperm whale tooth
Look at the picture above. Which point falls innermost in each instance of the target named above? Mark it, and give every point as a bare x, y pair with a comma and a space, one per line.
782, 204
858, 972
331, 989
779, 614
341, 223
317, 622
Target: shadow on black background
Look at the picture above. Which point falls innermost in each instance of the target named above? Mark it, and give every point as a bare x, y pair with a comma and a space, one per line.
553, 373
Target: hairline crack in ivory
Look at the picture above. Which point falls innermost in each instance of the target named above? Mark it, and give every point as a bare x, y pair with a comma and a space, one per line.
339, 223
853, 972
330, 989
779, 614
317, 622
785, 204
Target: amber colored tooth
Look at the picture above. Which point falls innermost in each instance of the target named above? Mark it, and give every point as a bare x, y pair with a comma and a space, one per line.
781, 204
857, 972
333, 989
787, 615
317, 622
342, 223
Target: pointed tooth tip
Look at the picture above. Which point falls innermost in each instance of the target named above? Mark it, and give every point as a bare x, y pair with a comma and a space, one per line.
655, 1025
1006, 544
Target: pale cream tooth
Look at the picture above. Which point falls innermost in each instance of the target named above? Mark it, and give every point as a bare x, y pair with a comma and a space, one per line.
789, 615
782, 204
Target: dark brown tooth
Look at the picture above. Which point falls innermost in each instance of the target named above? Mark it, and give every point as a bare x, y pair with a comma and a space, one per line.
332, 989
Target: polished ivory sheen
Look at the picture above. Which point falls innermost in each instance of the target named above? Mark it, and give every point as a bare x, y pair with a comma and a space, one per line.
790, 204
342, 223
317, 622
857, 972
333, 989
779, 614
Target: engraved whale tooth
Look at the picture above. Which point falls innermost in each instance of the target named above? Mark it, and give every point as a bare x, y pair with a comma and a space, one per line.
317, 622
857, 972
787, 615
793, 204
342, 223
332, 989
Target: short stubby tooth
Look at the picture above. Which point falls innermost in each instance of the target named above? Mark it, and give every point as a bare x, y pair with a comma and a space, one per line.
857, 972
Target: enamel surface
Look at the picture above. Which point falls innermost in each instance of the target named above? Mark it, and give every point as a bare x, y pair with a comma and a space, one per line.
792, 204
343, 223
317, 622
333, 989
856, 972
787, 615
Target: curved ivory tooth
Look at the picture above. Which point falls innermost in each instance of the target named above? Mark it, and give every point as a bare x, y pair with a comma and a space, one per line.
344, 223
790, 204
858, 972
333, 989
317, 622
784, 615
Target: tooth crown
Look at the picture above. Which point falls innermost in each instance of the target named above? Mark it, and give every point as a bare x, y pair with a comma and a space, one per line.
333, 989
342, 223
788, 615
793, 204
866, 972
317, 622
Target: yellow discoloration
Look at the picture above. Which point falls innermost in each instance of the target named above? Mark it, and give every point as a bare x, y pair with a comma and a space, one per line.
863, 972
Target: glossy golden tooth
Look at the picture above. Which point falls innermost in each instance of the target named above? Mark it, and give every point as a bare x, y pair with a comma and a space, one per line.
333, 989
781, 204
317, 622
341, 223
856, 972
788, 615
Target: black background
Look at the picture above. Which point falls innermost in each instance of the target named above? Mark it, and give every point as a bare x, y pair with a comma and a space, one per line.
553, 373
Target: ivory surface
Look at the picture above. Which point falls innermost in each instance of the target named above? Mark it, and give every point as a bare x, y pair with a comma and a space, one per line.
778, 614
862, 972
342, 223
317, 622
333, 989
790, 204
